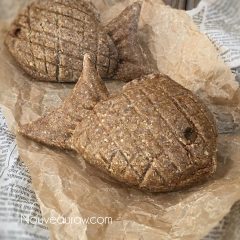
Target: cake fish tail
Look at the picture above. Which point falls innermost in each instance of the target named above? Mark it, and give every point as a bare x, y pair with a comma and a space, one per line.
133, 61
55, 129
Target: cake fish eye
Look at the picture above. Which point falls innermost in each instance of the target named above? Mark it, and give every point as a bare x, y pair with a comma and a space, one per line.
190, 134
48, 39
148, 135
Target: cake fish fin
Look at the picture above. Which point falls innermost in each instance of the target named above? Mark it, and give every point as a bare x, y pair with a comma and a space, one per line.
55, 128
133, 61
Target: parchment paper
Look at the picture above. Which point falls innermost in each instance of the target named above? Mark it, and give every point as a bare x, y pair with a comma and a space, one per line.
67, 187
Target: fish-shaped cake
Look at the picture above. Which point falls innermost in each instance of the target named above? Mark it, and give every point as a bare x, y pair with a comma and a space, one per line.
154, 135
49, 38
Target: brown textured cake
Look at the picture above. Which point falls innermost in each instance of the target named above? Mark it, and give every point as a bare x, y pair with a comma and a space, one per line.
154, 135
49, 38
56, 128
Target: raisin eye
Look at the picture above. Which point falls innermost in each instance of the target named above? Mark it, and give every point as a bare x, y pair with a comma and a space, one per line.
16, 32
120, 61
190, 134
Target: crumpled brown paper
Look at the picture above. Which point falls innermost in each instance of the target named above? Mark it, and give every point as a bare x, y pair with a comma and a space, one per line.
67, 187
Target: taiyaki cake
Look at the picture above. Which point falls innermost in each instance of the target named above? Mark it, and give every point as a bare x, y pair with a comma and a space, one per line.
49, 38
154, 135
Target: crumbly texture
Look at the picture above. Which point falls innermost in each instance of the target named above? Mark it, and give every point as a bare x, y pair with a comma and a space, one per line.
155, 135
57, 127
133, 62
49, 38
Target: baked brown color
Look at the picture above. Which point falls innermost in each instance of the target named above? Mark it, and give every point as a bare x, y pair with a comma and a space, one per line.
133, 62
154, 135
56, 128
50, 37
